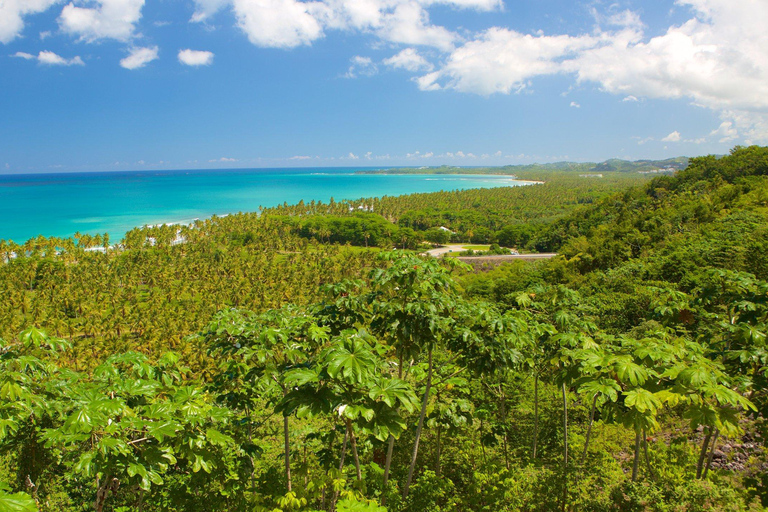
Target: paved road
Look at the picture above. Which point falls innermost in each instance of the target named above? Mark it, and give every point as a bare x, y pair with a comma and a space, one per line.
538, 256
459, 248
446, 249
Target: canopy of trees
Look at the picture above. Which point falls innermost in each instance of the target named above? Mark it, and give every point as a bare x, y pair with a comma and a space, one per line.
254, 362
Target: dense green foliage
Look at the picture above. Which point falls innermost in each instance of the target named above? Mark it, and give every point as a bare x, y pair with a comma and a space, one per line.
628, 374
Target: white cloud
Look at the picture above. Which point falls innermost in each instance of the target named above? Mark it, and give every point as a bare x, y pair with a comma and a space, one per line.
409, 60
361, 66
672, 137
480, 5
351, 156
409, 23
45, 35
224, 160
716, 59
291, 23
204, 9
195, 57
104, 19
278, 23
139, 57
51, 59
503, 61
575, 105
300, 157
12, 13
725, 131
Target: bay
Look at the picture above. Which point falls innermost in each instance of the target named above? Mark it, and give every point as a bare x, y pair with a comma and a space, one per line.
116, 202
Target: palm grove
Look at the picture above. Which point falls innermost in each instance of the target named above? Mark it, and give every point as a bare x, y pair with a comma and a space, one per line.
290, 361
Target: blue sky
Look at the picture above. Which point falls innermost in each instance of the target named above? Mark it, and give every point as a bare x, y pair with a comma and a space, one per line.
98, 85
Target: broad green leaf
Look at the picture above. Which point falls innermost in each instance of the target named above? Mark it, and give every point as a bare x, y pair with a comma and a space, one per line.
19, 502
217, 438
642, 400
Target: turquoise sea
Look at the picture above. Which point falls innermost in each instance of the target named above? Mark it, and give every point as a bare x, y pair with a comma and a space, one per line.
115, 202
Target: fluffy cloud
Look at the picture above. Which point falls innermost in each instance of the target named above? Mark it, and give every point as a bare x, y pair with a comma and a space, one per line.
195, 57
503, 61
410, 60
575, 105
51, 59
291, 23
139, 57
361, 66
409, 23
716, 59
103, 19
672, 137
12, 13
278, 23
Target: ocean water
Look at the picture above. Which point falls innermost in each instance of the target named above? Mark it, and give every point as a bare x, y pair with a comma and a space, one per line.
116, 202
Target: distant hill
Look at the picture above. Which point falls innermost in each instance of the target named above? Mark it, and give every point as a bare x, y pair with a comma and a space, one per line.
612, 165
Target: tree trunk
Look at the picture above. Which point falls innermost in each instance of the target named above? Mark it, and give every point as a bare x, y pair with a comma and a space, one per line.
637, 455
354, 449
102, 493
647, 459
589, 430
390, 444
341, 468
565, 447
419, 427
703, 453
437, 455
711, 454
535, 414
287, 453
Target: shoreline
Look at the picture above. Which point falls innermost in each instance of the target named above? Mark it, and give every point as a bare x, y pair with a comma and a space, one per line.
117, 219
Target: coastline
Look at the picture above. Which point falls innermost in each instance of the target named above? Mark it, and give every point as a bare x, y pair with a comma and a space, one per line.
92, 205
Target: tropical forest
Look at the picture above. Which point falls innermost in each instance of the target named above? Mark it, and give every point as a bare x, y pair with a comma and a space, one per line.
314, 357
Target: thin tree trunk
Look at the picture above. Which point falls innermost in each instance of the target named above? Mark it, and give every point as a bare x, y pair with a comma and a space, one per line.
637, 456
390, 444
482, 444
589, 430
565, 447
287, 453
647, 458
354, 449
387, 465
535, 414
102, 493
711, 454
504, 423
703, 453
419, 427
437, 455
341, 468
